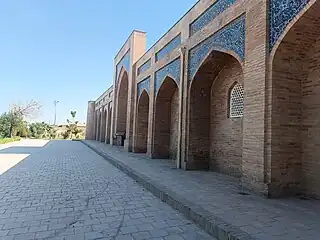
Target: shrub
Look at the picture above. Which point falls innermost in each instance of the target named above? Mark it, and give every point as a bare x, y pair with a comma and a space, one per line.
8, 140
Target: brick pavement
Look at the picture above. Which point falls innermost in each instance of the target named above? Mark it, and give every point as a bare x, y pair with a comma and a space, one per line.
64, 190
219, 197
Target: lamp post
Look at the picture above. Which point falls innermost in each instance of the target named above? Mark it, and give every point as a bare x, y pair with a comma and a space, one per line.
55, 102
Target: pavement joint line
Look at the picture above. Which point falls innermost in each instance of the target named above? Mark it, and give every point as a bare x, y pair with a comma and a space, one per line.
213, 225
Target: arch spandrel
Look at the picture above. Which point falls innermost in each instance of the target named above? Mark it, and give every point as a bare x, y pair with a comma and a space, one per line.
144, 85
171, 70
230, 39
282, 15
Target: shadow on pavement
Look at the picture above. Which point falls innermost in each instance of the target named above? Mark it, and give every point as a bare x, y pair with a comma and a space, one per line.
13, 154
20, 150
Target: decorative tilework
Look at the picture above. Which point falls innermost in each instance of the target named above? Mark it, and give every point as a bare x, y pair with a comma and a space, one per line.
144, 85
124, 62
231, 38
144, 67
211, 13
281, 14
173, 44
172, 70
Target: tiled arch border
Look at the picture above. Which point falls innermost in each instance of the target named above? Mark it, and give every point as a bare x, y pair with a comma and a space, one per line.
124, 63
144, 85
288, 16
288, 28
171, 70
222, 41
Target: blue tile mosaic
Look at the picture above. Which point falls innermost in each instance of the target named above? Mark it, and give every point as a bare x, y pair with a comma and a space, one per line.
124, 62
231, 38
173, 44
144, 67
281, 13
144, 85
211, 13
172, 70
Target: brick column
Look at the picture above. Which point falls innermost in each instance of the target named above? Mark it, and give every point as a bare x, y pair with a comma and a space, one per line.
113, 106
90, 125
134, 120
108, 125
181, 131
255, 74
185, 115
150, 144
130, 108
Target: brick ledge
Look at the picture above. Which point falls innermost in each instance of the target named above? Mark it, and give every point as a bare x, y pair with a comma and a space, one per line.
214, 226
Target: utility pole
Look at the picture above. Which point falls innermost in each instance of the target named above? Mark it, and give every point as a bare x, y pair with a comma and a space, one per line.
55, 102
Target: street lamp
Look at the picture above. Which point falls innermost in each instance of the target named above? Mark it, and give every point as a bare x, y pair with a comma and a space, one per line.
55, 102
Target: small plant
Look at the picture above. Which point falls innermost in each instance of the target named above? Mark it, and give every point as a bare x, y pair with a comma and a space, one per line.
72, 127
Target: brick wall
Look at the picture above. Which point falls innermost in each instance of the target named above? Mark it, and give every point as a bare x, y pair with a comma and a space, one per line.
225, 132
162, 136
122, 100
311, 106
311, 122
199, 125
142, 124
296, 110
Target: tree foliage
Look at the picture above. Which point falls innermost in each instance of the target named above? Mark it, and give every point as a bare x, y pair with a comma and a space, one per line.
72, 127
41, 130
5, 126
12, 123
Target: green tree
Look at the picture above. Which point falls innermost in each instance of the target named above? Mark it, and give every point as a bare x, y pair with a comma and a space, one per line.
12, 123
41, 130
22, 129
5, 126
72, 127
14, 119
19, 112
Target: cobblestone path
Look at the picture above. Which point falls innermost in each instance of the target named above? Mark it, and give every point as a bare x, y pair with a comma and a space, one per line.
63, 190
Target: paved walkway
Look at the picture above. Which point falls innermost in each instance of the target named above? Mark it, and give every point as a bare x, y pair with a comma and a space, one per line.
218, 196
63, 190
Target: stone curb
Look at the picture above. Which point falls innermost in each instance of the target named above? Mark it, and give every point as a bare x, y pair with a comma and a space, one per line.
214, 226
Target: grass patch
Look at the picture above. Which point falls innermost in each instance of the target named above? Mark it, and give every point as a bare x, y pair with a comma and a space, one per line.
8, 140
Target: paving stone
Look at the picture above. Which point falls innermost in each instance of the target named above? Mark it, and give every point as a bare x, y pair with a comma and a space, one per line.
3, 233
38, 228
125, 237
174, 237
141, 235
69, 192
12, 225
158, 233
129, 229
75, 237
45, 234
93, 235
18, 230
145, 227
24, 236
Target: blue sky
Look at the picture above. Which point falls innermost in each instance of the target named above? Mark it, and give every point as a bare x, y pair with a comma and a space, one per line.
50, 50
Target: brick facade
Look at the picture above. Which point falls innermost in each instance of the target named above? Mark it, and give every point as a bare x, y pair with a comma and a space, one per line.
173, 101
